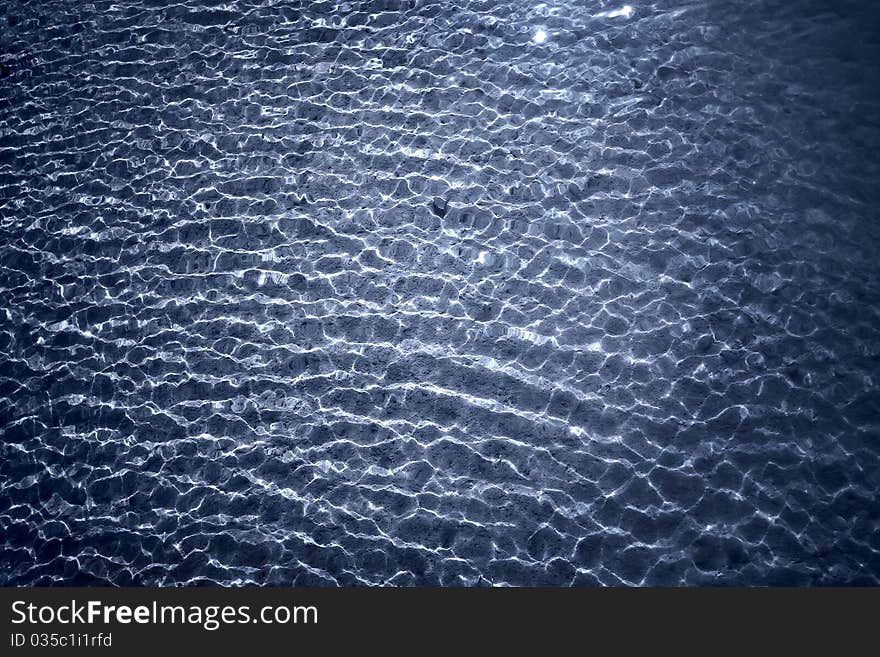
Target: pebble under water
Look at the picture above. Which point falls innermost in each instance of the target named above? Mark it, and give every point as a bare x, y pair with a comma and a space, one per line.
423, 292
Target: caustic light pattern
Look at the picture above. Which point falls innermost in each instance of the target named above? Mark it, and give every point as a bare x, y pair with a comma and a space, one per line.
423, 292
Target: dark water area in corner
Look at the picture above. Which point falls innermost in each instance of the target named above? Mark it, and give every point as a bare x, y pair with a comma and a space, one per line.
416, 292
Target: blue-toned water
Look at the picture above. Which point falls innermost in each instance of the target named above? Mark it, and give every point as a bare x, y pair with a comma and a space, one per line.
423, 292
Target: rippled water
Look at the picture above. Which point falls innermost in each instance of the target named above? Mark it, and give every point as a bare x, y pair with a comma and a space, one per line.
423, 292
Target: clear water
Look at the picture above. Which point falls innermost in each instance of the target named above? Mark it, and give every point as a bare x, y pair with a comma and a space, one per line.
426, 292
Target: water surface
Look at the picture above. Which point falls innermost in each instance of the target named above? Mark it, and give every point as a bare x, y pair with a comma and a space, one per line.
427, 292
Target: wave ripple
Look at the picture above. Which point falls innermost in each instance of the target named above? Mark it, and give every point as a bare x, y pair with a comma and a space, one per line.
407, 292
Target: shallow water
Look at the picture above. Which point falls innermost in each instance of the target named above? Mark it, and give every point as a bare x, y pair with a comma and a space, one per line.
405, 292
